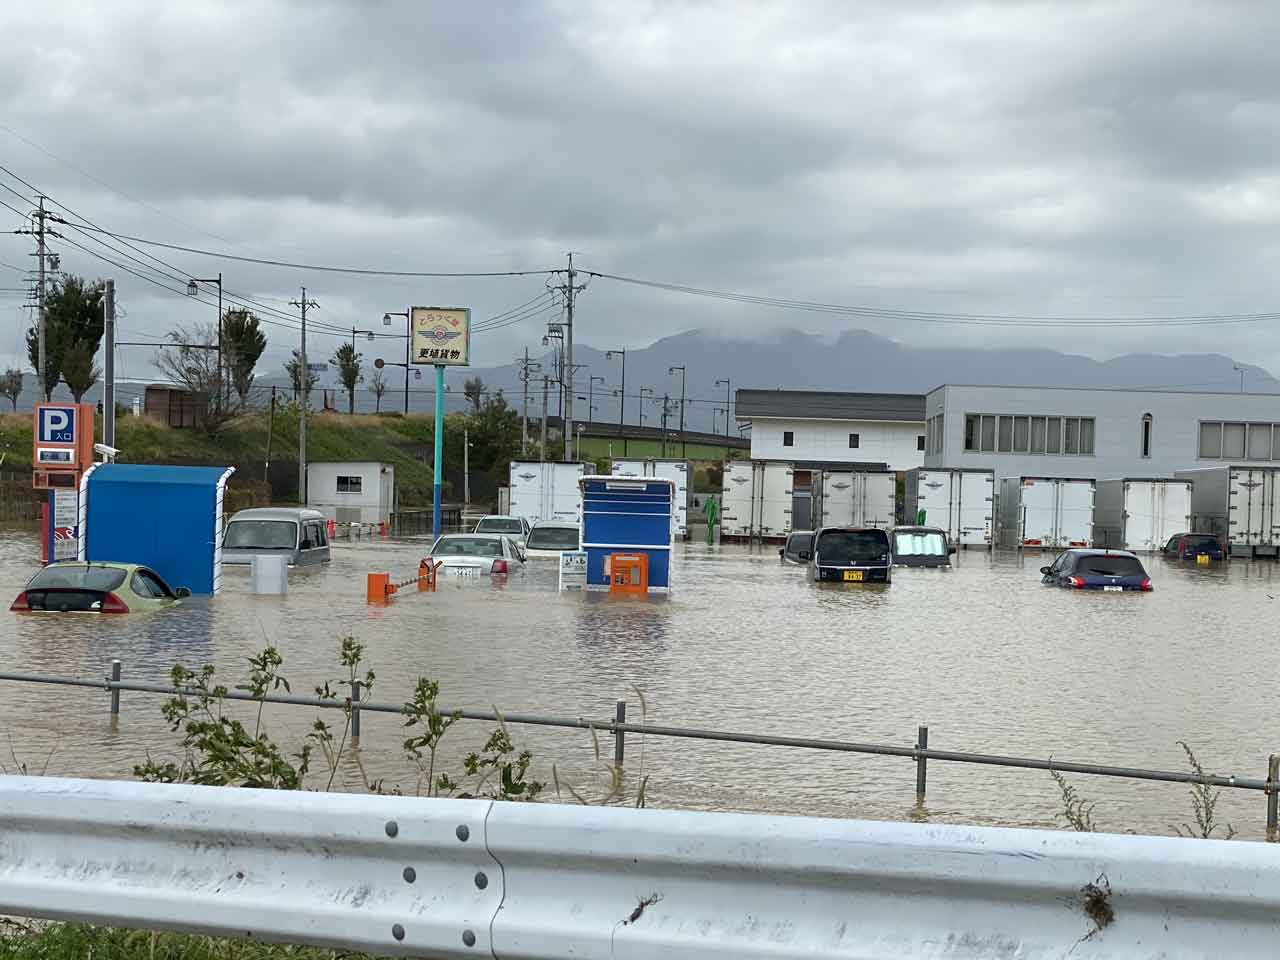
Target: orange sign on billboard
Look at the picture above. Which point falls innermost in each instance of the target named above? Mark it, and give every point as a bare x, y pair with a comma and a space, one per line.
62, 446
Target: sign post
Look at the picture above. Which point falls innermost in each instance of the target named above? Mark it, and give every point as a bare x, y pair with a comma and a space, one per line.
573, 570
441, 338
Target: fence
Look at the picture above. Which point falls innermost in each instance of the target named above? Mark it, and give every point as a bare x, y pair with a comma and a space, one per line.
618, 727
406, 876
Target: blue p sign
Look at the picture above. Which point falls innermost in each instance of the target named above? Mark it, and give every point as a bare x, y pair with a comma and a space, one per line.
57, 425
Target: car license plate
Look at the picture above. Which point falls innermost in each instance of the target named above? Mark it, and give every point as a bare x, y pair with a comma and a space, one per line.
1113, 589
853, 576
465, 571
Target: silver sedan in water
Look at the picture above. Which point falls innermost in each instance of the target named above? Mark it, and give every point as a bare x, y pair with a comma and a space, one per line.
477, 555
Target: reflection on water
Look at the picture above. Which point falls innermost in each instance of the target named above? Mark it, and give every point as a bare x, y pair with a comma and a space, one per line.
992, 660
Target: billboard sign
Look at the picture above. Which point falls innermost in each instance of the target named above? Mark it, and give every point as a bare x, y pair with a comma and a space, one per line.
62, 441
441, 336
573, 570
66, 524
55, 424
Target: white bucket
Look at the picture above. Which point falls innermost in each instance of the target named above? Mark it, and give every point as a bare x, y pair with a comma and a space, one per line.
269, 575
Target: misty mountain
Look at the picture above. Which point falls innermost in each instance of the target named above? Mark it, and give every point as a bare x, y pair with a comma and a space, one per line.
856, 360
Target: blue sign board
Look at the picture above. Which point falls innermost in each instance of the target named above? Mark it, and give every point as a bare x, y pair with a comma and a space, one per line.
57, 425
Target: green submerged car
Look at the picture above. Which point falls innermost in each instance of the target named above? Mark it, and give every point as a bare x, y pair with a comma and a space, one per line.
73, 586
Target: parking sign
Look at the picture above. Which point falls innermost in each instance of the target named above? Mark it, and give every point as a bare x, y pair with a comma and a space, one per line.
57, 425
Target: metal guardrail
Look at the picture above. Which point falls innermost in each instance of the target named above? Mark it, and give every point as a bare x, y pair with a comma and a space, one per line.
618, 727
475, 878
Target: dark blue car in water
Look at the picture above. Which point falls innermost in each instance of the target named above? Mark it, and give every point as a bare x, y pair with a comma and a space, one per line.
1113, 571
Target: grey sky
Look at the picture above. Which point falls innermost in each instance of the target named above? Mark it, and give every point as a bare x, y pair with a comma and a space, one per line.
1076, 159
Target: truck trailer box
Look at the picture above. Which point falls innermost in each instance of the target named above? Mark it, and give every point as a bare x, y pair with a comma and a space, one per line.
1051, 513
1237, 503
861, 498
961, 502
679, 472
547, 491
756, 499
1132, 513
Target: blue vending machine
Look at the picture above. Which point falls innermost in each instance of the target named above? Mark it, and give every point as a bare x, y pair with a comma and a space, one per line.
626, 533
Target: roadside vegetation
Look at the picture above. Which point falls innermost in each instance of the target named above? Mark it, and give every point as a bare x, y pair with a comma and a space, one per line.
21, 940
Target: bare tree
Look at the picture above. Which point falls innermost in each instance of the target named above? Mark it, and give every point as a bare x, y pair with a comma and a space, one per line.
377, 386
11, 386
191, 362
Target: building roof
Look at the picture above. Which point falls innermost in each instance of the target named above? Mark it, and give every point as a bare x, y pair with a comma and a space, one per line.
829, 405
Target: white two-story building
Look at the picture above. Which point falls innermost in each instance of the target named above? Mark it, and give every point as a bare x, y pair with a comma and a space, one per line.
809, 426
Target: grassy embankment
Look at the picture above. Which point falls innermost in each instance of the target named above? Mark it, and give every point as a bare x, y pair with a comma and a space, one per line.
20, 941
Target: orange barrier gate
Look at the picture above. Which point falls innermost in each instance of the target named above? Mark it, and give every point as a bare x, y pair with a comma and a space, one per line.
380, 589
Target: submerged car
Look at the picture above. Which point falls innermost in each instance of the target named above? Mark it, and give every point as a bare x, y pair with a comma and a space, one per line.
921, 547
1193, 546
74, 586
300, 534
517, 528
477, 554
798, 547
1113, 571
550, 538
851, 555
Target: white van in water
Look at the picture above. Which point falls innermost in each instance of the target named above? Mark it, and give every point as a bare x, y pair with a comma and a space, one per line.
301, 534
549, 538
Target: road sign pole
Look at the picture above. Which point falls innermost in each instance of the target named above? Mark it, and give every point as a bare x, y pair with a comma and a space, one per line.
439, 452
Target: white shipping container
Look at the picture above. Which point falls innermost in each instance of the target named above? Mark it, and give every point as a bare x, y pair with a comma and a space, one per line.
678, 472
1048, 512
961, 502
547, 491
756, 499
1238, 503
858, 499
1141, 515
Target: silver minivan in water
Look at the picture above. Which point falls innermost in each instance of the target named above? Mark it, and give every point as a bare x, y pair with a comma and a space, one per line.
299, 533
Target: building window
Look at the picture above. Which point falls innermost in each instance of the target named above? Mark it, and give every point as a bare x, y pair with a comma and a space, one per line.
788, 438
853, 441
1239, 441
920, 442
988, 434
348, 484
1006, 434
972, 431
1233, 441
1259, 441
1146, 434
1037, 434
1019, 433
1211, 441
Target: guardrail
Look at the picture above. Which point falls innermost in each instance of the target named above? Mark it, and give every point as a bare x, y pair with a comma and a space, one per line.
380, 589
475, 878
920, 752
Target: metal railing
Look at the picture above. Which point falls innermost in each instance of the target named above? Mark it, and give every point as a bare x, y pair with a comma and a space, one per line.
618, 727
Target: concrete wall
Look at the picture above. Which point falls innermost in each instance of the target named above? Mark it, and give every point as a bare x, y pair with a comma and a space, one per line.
374, 502
896, 444
1117, 414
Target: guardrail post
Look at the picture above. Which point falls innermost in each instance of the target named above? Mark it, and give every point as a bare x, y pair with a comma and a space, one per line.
115, 691
355, 710
1273, 800
619, 738
922, 743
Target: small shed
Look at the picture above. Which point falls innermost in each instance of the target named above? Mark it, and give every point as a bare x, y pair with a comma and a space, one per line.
359, 492
174, 406
168, 518
627, 516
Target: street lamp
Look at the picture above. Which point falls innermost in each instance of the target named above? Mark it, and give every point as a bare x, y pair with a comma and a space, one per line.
644, 390
193, 289
591, 387
1239, 370
408, 342
727, 405
622, 396
670, 372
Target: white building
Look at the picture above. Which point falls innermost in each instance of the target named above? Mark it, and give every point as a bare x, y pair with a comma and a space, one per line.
1097, 433
362, 492
809, 426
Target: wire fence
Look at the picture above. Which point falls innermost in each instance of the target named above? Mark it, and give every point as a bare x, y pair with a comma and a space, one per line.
919, 752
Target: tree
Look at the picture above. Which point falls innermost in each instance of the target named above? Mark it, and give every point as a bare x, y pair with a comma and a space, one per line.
347, 361
78, 371
11, 385
73, 314
294, 368
473, 390
192, 363
242, 344
378, 386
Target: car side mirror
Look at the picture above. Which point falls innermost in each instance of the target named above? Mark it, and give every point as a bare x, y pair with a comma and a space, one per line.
1046, 570
182, 593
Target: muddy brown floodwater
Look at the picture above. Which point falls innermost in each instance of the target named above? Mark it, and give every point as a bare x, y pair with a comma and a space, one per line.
990, 659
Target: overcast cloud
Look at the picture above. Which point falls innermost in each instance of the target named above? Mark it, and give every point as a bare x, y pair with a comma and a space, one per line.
1110, 159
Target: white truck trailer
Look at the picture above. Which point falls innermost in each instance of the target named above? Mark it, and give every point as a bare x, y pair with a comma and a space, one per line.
547, 491
679, 472
756, 499
961, 502
860, 498
1132, 513
1238, 503
1049, 513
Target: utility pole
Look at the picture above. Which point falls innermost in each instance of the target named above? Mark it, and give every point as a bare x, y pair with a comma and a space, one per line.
271, 429
666, 411
570, 290
466, 469
45, 389
727, 404
109, 363
304, 376
622, 397
546, 383
683, 448
525, 367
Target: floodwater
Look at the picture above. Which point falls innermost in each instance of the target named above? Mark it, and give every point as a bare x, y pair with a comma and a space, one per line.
983, 653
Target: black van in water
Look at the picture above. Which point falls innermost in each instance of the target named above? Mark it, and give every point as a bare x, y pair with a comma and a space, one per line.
852, 555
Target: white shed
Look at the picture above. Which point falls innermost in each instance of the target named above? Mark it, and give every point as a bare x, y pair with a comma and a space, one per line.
360, 492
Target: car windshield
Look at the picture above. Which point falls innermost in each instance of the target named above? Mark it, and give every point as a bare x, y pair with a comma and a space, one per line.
466, 547
800, 542
916, 543
852, 546
261, 535
1102, 566
499, 525
553, 538
77, 577
1201, 540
